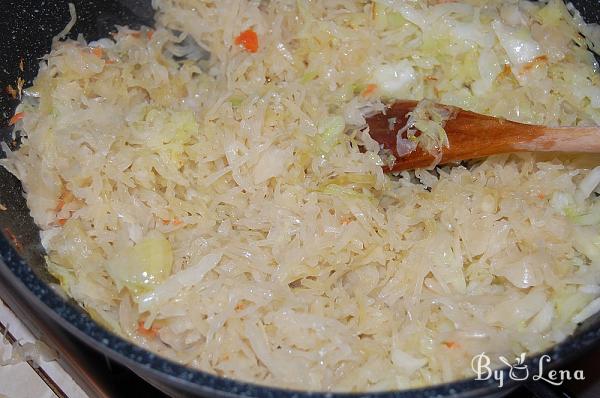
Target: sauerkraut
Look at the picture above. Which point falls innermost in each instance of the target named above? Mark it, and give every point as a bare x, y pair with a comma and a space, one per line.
216, 197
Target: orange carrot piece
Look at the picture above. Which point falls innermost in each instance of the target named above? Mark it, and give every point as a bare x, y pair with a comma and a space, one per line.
506, 71
370, 89
98, 52
537, 61
59, 205
65, 197
16, 117
147, 332
11, 235
249, 40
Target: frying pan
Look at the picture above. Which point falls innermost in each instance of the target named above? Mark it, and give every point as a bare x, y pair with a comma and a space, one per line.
25, 33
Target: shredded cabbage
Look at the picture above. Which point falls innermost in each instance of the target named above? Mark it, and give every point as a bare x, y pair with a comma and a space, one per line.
228, 210
330, 131
33, 352
427, 120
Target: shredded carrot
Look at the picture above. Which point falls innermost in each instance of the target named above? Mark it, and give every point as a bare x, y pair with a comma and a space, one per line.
249, 40
370, 89
16, 117
506, 71
59, 205
10, 235
541, 196
135, 34
147, 332
345, 220
109, 61
62, 221
149, 34
66, 196
98, 52
431, 78
451, 344
175, 221
537, 61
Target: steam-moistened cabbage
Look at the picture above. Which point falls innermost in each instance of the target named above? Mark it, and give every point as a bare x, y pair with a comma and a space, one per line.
206, 188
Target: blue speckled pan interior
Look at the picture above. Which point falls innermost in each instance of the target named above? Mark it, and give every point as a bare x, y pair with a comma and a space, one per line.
26, 33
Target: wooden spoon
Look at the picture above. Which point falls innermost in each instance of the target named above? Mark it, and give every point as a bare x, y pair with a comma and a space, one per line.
472, 135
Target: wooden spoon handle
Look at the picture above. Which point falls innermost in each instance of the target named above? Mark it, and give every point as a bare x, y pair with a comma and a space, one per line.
472, 135
563, 139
